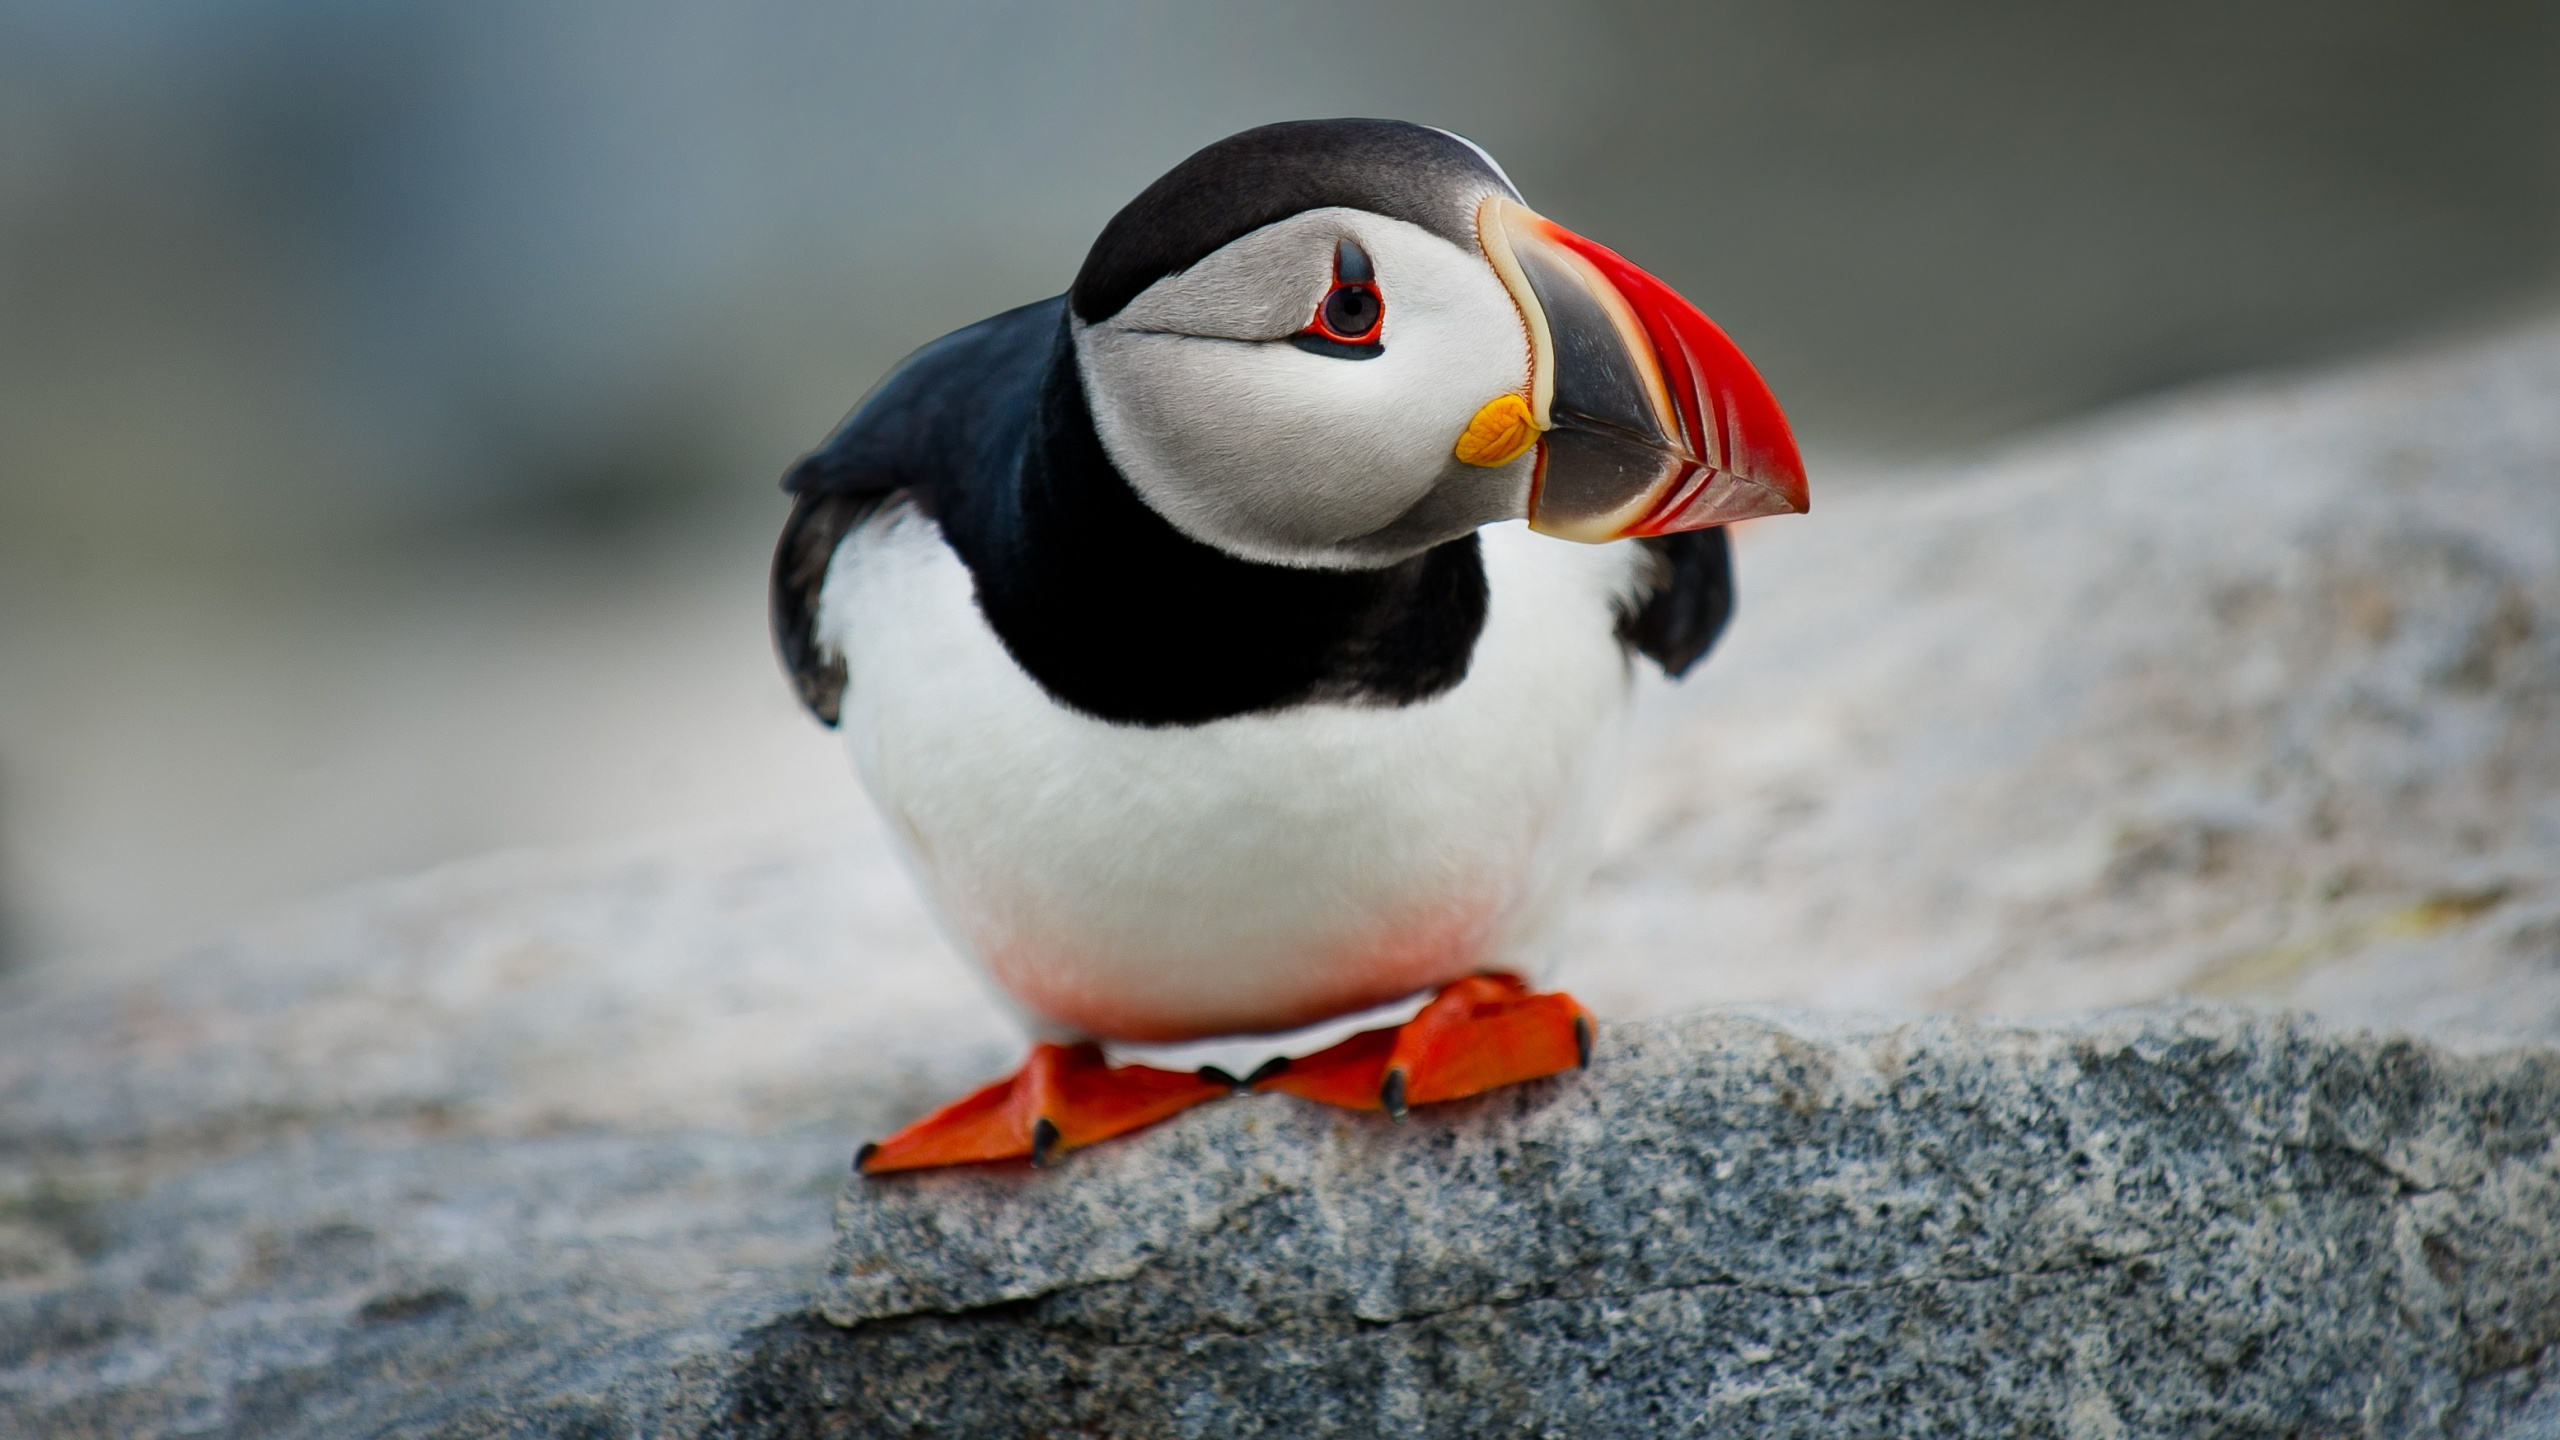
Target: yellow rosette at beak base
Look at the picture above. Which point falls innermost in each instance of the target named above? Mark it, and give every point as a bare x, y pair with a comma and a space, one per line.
1500, 432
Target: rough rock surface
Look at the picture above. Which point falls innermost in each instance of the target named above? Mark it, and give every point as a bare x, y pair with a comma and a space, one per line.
520, 1148
2252, 694
2167, 1224
2249, 694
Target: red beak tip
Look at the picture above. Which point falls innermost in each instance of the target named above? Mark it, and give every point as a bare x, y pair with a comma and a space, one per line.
1725, 407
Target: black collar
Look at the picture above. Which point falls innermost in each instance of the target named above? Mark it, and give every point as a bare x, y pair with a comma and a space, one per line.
1120, 615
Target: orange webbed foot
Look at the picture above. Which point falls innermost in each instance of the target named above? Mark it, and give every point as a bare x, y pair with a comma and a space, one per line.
1064, 1096
1477, 1034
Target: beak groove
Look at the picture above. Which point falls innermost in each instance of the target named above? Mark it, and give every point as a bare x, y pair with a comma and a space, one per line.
1652, 421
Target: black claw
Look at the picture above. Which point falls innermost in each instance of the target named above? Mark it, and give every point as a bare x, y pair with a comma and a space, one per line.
1270, 1069
1391, 1094
1582, 1040
1044, 1138
1211, 1074
865, 1153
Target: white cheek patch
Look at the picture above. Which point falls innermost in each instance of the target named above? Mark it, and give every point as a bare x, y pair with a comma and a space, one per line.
1277, 454
1265, 286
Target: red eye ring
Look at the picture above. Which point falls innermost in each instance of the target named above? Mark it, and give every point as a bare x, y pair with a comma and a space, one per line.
1352, 312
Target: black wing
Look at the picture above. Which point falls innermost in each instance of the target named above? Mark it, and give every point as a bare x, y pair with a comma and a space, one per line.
928, 429
1685, 603
818, 524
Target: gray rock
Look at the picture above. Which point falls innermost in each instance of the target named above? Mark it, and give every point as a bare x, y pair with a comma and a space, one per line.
517, 1148
2253, 694
2249, 693
2163, 1224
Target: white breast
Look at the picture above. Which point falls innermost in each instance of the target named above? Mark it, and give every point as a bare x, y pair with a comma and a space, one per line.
1252, 874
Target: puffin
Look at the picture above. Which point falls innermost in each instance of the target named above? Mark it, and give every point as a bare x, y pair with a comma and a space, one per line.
1242, 639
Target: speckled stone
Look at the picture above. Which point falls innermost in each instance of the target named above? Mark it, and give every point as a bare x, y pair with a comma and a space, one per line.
2158, 1224
2251, 693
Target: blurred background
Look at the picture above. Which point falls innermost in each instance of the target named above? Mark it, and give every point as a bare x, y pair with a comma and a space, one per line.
392, 393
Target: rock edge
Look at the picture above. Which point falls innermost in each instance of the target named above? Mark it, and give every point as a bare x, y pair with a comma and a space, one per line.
2182, 1222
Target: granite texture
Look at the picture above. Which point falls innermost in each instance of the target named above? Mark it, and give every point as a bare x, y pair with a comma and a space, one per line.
2165, 1224
520, 1148
2251, 694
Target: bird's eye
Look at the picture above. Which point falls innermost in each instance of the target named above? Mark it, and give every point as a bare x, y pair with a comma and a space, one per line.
1351, 313
1348, 319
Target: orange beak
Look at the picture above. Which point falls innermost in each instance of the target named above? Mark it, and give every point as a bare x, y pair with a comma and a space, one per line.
1649, 419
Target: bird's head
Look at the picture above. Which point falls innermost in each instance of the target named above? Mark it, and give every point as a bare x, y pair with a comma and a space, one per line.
1338, 343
